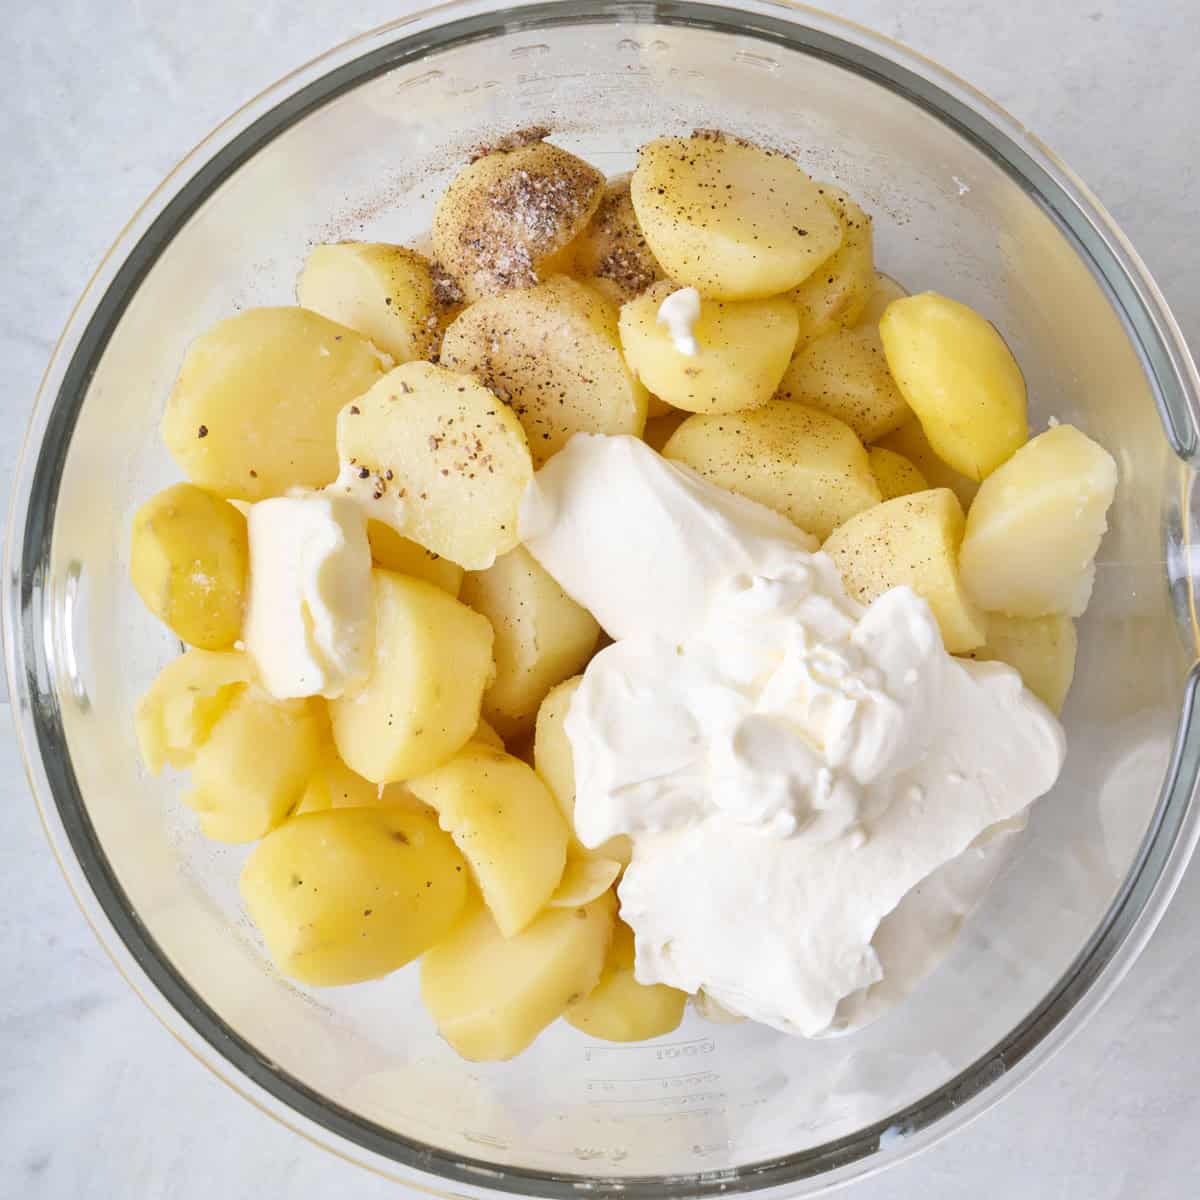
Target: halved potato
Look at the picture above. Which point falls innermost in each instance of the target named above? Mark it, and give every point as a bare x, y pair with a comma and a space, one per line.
584, 878
803, 463
254, 410
658, 430
436, 456
1041, 649
895, 475
421, 701
553, 354
911, 541
731, 219
507, 216
507, 825
910, 441
612, 253
490, 996
333, 785
884, 290
742, 351
402, 555
1036, 524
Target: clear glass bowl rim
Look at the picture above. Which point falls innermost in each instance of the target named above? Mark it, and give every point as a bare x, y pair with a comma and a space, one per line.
30, 652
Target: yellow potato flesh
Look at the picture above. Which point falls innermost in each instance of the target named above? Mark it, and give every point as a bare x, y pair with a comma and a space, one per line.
894, 473
884, 290
612, 252
1041, 649
402, 555
910, 441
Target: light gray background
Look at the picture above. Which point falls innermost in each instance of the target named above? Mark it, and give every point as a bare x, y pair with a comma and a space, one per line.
100, 98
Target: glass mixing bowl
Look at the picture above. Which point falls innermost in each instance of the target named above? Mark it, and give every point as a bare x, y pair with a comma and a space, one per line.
357, 145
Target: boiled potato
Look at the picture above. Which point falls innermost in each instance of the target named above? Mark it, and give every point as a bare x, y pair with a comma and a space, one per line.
731, 219
253, 767
507, 216
743, 349
910, 441
188, 560
895, 475
845, 374
420, 703
911, 541
353, 893
583, 879
1035, 527
959, 377
490, 996
618, 1008
176, 715
487, 735
255, 406
436, 456
390, 294
884, 290
612, 253
542, 636
507, 825
658, 430
835, 295
1041, 649
797, 460
395, 553
333, 785
552, 353
554, 762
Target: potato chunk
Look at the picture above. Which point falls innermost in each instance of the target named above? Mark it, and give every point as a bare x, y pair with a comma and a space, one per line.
835, 296
188, 559
253, 767
510, 213
507, 825
1036, 525
895, 475
731, 219
612, 253
554, 762
420, 703
542, 636
333, 785
390, 294
1041, 649
176, 715
742, 351
490, 996
658, 430
911, 541
910, 441
402, 555
583, 879
255, 406
845, 374
436, 456
552, 353
353, 893
959, 377
618, 1008
884, 290
803, 463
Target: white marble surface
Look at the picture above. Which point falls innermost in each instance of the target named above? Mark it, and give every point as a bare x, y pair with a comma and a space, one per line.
98, 101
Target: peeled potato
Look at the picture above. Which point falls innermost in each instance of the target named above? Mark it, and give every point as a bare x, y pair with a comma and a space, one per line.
742, 351
253, 767
1036, 524
402, 555
554, 762
612, 253
658, 430
188, 561
436, 456
552, 353
507, 825
910, 441
420, 703
884, 290
799, 461
959, 377
835, 295
895, 475
508, 214
845, 374
1042, 649
911, 541
618, 1008
487, 735
255, 406
177, 714
542, 636
583, 879
333, 785
731, 219
353, 893
490, 996
390, 294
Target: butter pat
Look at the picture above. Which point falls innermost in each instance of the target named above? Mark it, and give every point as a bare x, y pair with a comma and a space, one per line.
310, 617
